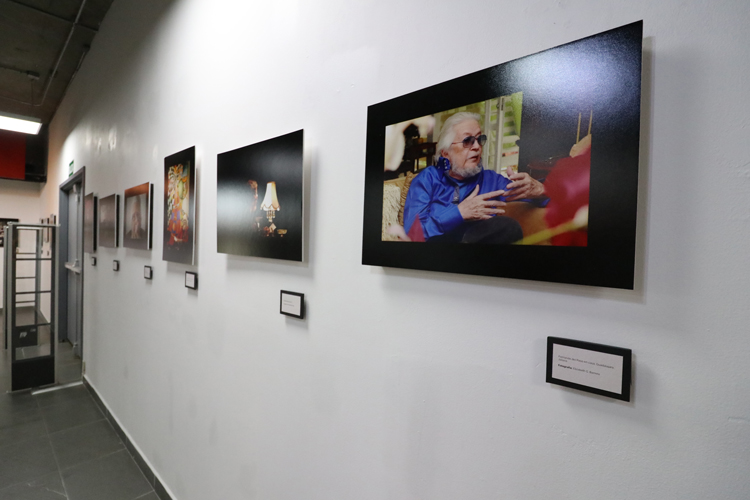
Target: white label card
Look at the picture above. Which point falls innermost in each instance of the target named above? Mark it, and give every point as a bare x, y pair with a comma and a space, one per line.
590, 368
291, 304
190, 280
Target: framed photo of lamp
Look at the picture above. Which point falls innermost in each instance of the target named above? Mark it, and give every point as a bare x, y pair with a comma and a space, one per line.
179, 207
259, 199
527, 170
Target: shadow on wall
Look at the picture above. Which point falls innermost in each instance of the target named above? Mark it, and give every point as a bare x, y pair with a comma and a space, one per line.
111, 73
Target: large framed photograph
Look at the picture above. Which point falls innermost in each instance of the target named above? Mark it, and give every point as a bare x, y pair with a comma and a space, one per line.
259, 199
109, 221
138, 217
527, 170
89, 223
179, 207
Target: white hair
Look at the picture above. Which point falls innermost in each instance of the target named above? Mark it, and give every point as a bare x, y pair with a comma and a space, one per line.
448, 130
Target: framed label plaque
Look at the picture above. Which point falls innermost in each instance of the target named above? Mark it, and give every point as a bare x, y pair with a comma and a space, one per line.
292, 304
595, 368
191, 280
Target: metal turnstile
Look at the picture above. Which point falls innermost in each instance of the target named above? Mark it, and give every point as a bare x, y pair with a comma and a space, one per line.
30, 303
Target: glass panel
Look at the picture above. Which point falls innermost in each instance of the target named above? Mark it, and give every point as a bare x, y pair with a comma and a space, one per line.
30, 308
27, 239
32, 342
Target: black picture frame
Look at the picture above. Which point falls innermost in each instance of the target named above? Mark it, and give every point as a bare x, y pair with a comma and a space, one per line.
115, 265
178, 221
627, 366
246, 177
148, 272
138, 199
93, 261
89, 223
109, 221
285, 311
600, 73
191, 280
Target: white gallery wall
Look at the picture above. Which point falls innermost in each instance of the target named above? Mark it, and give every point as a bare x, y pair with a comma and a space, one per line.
408, 384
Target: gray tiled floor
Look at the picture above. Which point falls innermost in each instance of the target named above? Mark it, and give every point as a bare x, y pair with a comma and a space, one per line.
58, 445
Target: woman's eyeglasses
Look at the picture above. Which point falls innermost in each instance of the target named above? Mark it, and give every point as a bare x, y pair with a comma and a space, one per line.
469, 141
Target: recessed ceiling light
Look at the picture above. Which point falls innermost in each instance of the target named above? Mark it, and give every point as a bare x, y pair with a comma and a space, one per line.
19, 124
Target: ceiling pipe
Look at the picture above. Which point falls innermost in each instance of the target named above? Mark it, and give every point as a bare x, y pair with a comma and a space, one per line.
57, 64
50, 14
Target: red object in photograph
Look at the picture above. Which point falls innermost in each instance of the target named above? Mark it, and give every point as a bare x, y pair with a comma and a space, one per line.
567, 186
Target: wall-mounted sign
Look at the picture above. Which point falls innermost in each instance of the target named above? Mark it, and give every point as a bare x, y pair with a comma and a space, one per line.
292, 304
596, 368
191, 280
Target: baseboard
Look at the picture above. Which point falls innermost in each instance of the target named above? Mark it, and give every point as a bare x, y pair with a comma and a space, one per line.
151, 477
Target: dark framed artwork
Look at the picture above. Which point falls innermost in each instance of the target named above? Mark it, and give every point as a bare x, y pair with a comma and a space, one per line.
3, 224
137, 223
259, 199
109, 221
551, 143
89, 223
179, 207
596, 368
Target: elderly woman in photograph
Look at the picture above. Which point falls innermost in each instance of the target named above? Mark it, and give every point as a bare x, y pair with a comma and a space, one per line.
458, 200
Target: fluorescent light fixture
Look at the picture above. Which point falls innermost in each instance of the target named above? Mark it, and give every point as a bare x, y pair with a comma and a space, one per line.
19, 124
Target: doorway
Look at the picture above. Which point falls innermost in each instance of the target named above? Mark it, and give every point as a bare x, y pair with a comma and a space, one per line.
71, 278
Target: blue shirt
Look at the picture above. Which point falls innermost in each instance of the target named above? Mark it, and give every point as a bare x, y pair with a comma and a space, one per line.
434, 197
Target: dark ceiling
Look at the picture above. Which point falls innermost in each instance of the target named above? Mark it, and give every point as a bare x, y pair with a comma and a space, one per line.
37, 36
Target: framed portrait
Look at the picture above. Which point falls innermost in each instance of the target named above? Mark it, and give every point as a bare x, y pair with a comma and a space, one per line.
89, 223
527, 170
109, 221
179, 207
259, 199
138, 217
3, 224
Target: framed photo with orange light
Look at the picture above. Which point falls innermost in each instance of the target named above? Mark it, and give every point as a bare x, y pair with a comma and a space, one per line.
179, 207
526, 170
259, 199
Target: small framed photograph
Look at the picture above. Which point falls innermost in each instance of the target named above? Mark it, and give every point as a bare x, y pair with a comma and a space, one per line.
93, 261
191, 280
89, 223
595, 368
148, 272
292, 304
115, 265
